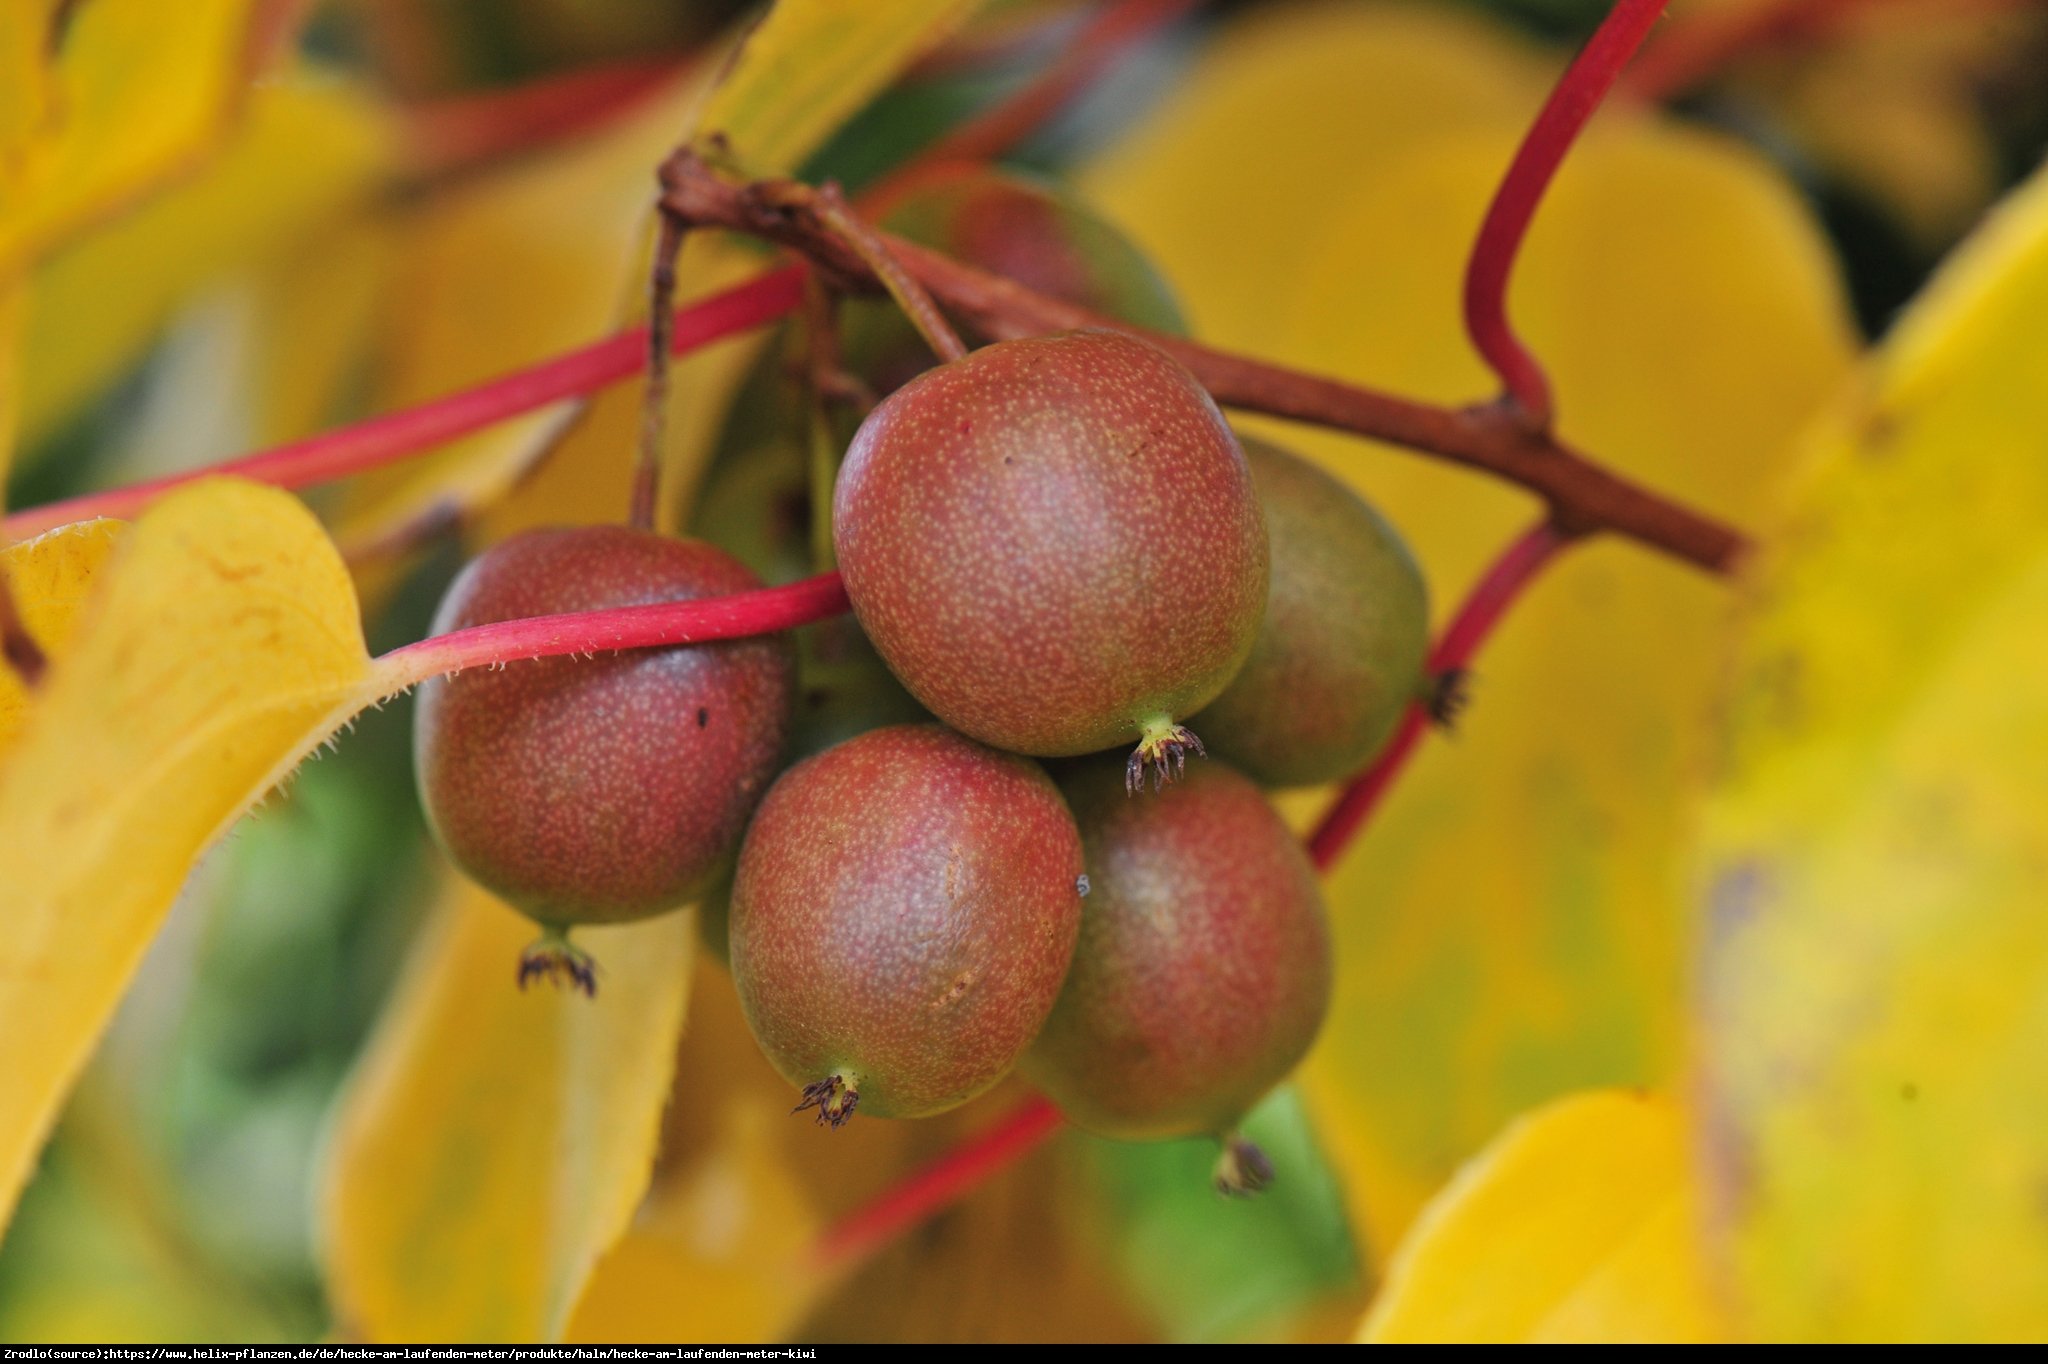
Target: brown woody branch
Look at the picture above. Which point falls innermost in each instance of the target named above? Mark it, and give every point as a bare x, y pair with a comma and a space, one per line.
1583, 496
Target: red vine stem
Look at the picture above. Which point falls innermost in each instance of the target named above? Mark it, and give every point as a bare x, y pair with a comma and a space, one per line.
461, 132
938, 1185
759, 612
1577, 94
367, 445
1497, 589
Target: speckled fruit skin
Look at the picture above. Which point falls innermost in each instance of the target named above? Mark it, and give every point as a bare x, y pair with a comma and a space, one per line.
1203, 970
1345, 638
903, 913
605, 789
1033, 231
1053, 542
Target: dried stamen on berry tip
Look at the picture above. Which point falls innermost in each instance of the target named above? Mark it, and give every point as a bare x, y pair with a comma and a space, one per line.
1446, 695
1242, 1170
835, 1098
1164, 749
553, 958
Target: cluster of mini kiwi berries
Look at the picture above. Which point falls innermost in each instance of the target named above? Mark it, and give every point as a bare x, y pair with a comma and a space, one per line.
1055, 548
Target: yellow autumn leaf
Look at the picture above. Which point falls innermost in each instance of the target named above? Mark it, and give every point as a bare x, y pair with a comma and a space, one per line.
1580, 1223
221, 645
531, 260
134, 91
504, 269
1512, 927
309, 148
717, 1250
1876, 955
50, 577
809, 66
10, 389
494, 1142
1891, 101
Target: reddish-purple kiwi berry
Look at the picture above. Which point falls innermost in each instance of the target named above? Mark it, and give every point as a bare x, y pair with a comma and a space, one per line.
1056, 544
1033, 231
598, 790
902, 917
1342, 650
1203, 970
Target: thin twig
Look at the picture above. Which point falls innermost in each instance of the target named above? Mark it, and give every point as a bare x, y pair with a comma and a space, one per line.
1584, 497
661, 288
837, 216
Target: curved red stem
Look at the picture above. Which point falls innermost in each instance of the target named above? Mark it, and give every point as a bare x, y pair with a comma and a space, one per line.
1577, 94
381, 440
943, 1182
1497, 590
624, 627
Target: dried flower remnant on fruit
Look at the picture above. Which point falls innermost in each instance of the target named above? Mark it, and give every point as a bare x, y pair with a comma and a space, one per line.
1242, 1169
554, 959
834, 1098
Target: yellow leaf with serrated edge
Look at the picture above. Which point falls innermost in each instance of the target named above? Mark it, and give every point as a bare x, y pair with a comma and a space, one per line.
1512, 927
308, 149
1876, 962
133, 92
221, 644
1580, 1223
51, 577
494, 1142
809, 66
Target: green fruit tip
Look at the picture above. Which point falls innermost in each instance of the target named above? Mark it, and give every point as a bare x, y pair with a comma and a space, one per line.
835, 1097
553, 958
1164, 748
1446, 694
1242, 1169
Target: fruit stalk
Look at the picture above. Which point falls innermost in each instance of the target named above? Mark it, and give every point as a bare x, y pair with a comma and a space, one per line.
627, 627
668, 244
1497, 590
1572, 102
1583, 496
